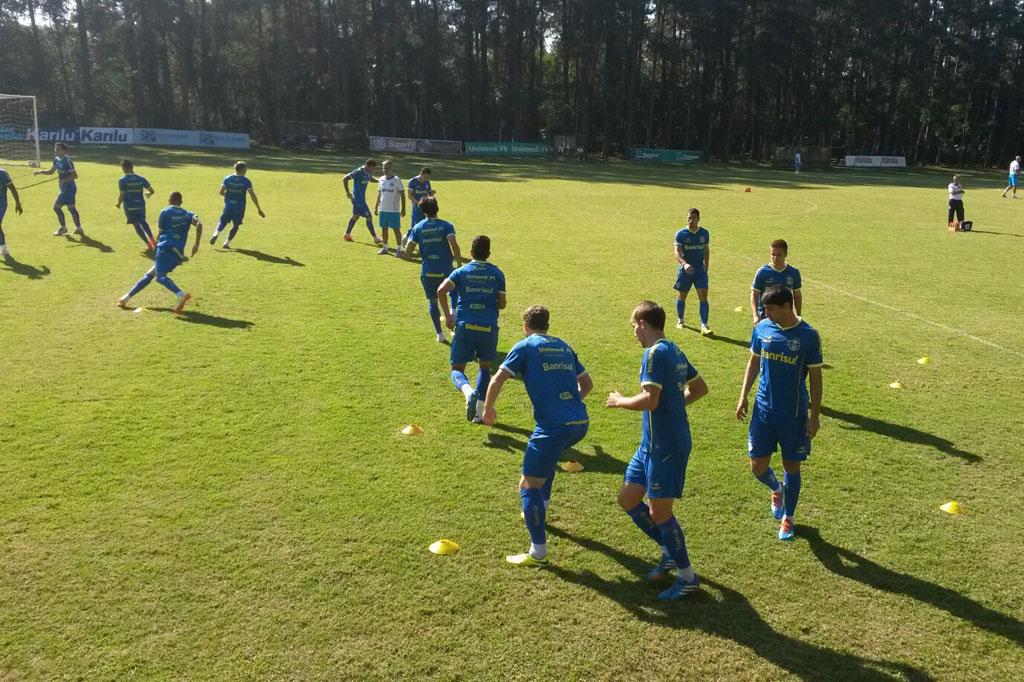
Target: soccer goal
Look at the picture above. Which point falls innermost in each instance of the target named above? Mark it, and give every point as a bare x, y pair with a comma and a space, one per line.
19, 130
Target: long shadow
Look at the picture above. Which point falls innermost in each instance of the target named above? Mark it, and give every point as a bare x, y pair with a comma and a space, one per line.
715, 336
1003, 234
86, 240
599, 462
901, 433
850, 565
24, 269
267, 258
196, 317
721, 611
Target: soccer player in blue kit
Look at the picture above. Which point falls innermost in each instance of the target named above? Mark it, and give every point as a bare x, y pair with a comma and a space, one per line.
775, 272
438, 246
174, 224
6, 184
419, 188
557, 383
66, 176
787, 352
479, 288
694, 256
131, 188
668, 383
234, 188
360, 179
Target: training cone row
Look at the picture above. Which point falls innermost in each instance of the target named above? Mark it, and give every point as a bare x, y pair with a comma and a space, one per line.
444, 546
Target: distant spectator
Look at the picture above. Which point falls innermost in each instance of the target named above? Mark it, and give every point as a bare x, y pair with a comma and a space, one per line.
579, 152
1012, 178
797, 161
956, 201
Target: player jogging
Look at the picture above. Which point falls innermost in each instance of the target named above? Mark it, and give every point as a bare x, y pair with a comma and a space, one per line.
390, 207
668, 383
131, 188
234, 189
777, 271
479, 287
174, 224
557, 383
6, 184
436, 239
785, 350
360, 178
66, 176
1012, 178
694, 256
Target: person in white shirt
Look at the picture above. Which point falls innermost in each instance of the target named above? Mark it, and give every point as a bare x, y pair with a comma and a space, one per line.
1012, 180
390, 207
956, 201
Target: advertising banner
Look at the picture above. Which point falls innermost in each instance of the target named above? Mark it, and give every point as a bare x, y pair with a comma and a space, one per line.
56, 135
414, 146
105, 135
666, 155
507, 149
876, 161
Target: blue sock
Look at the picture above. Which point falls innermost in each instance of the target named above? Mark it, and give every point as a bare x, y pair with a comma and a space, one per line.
141, 284
234, 231
792, 483
166, 281
220, 227
74, 216
705, 308
142, 233
369, 225
459, 379
546, 488
351, 224
146, 229
680, 308
435, 315
60, 216
482, 379
674, 541
533, 512
3, 240
769, 479
641, 515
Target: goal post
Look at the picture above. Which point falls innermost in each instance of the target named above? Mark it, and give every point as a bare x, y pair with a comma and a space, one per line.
19, 130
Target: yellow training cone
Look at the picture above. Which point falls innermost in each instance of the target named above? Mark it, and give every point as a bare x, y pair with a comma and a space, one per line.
444, 546
895, 384
413, 430
952, 507
738, 309
924, 361
573, 467
138, 310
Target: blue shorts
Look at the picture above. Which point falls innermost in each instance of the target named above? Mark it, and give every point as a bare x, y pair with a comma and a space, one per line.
390, 220
683, 283
3, 211
135, 215
417, 215
431, 281
66, 196
166, 260
662, 472
232, 215
472, 342
360, 208
1012, 179
770, 430
547, 445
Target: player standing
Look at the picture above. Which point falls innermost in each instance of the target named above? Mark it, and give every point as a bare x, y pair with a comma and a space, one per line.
360, 178
419, 188
777, 271
786, 350
6, 184
174, 224
66, 176
234, 188
557, 383
668, 383
694, 256
797, 161
131, 187
479, 287
389, 195
438, 246
1012, 178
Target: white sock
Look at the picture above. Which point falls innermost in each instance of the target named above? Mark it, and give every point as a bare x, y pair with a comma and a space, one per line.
664, 552
479, 408
686, 573
547, 505
539, 551
467, 391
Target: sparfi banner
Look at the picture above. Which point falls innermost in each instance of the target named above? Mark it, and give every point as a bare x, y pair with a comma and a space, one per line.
412, 145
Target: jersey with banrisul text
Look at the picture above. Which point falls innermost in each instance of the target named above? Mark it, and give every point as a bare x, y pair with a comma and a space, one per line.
786, 353
550, 371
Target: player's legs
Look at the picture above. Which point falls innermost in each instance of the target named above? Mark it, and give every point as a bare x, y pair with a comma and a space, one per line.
3, 239
795, 447
139, 286
959, 208
369, 226
950, 213
701, 284
73, 210
430, 282
58, 208
236, 222
222, 222
762, 441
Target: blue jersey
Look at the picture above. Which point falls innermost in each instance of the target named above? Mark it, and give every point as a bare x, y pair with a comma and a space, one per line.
237, 186
431, 234
785, 354
477, 285
360, 180
667, 428
420, 189
550, 371
174, 225
693, 244
65, 167
132, 186
768, 276
5, 182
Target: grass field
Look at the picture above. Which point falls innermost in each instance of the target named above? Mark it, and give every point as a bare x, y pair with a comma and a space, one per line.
227, 494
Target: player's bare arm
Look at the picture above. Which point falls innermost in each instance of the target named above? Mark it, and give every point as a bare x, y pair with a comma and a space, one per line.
647, 399
815, 390
696, 389
442, 300
256, 203
493, 391
753, 366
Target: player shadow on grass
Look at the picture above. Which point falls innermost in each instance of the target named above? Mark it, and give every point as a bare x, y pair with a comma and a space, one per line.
903, 433
196, 317
847, 564
268, 258
720, 611
24, 269
599, 462
715, 336
1001, 234
91, 243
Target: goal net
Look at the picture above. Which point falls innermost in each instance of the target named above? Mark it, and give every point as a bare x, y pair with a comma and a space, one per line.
19, 130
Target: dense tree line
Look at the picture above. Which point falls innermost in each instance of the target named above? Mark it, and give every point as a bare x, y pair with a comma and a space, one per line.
938, 81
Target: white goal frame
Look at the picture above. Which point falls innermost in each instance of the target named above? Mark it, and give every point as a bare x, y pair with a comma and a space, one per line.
31, 134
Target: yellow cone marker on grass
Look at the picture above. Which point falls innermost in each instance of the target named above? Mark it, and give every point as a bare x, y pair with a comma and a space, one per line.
738, 309
444, 547
573, 467
952, 507
413, 430
895, 384
924, 361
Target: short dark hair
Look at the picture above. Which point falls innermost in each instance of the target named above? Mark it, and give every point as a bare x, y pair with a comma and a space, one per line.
481, 248
780, 244
651, 313
424, 171
61, 145
240, 164
537, 317
175, 197
777, 295
370, 162
693, 211
125, 163
429, 206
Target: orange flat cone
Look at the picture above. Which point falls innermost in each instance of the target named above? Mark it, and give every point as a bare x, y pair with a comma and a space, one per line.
413, 430
747, 189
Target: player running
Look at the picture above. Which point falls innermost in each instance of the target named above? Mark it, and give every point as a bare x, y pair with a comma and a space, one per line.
234, 188
775, 272
438, 246
131, 188
694, 256
787, 350
479, 287
557, 383
360, 177
64, 167
389, 196
1012, 178
174, 224
668, 383
6, 184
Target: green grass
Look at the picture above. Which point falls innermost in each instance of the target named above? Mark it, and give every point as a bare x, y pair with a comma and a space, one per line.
227, 494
